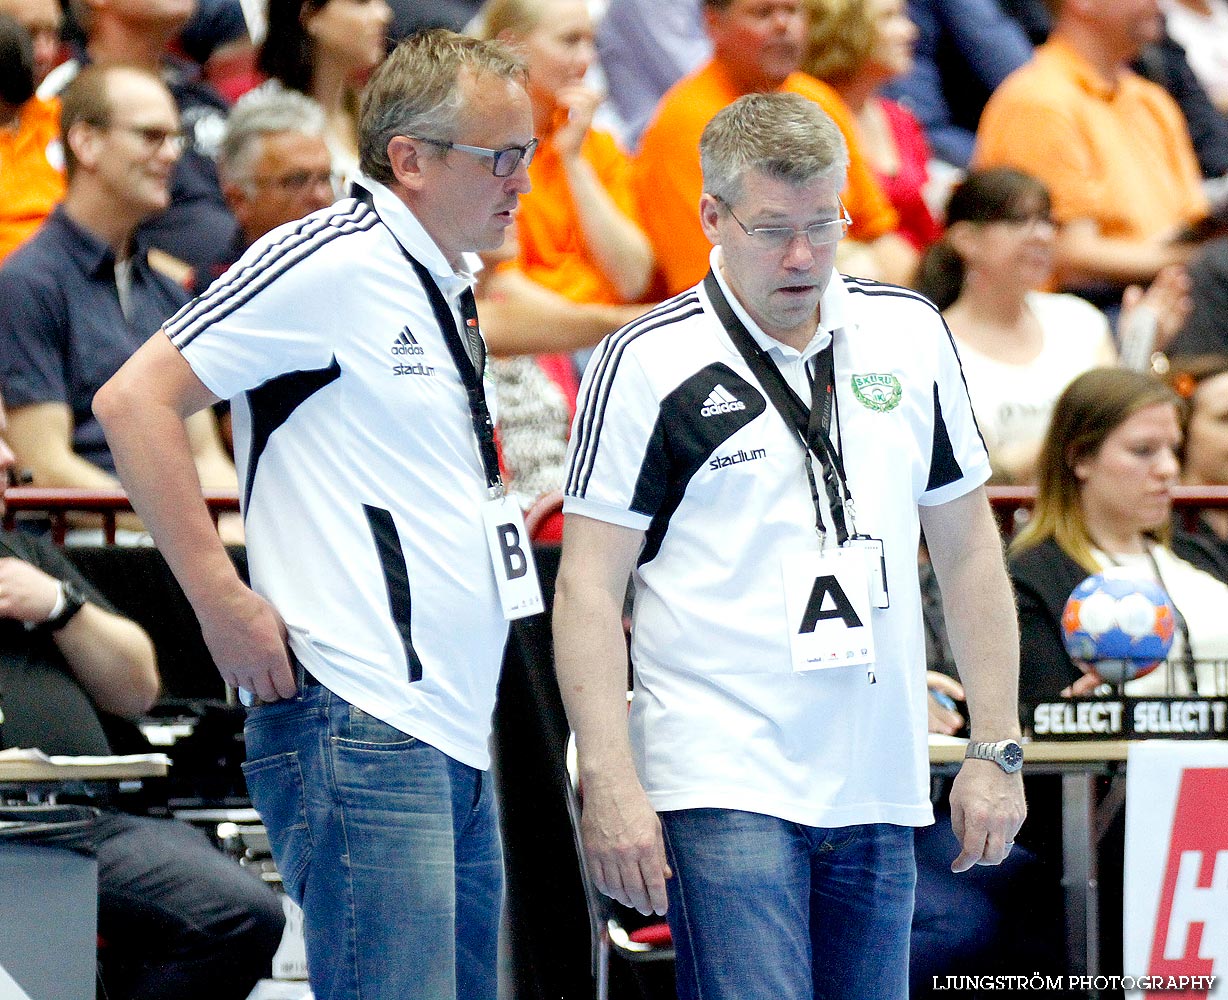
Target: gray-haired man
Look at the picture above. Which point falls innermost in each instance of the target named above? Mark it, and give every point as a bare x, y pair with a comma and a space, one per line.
274, 164
775, 762
378, 536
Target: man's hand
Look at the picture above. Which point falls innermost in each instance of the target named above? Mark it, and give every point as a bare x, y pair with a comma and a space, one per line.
247, 640
27, 594
942, 719
626, 852
987, 809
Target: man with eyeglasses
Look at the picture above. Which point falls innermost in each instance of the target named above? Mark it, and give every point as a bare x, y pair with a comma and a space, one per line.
84, 292
385, 558
274, 164
758, 455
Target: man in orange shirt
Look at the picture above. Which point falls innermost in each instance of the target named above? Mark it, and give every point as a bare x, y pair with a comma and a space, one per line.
757, 47
31, 159
1112, 147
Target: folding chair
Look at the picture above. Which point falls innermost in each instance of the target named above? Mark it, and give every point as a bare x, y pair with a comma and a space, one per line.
651, 943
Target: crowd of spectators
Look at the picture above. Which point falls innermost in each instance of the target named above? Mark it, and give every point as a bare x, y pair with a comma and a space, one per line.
1053, 176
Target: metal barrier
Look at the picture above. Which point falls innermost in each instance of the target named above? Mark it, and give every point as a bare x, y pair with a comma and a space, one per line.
58, 504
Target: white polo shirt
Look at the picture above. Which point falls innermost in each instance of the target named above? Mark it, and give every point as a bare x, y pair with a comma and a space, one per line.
358, 465
674, 436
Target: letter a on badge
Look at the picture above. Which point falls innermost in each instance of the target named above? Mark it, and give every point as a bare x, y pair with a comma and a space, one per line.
842, 607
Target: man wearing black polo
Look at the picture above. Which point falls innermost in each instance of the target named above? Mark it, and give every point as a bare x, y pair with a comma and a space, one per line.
83, 293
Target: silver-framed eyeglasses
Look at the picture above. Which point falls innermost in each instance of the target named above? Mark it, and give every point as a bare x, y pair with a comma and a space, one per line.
779, 237
503, 162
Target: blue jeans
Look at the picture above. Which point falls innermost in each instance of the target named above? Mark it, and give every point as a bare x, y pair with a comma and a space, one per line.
390, 846
763, 908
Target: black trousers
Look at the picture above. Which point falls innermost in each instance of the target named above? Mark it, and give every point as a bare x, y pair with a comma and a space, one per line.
177, 918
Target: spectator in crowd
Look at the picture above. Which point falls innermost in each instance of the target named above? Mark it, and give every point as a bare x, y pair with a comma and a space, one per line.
757, 829
218, 39
857, 46
576, 231
1200, 27
1021, 346
1202, 381
274, 164
197, 227
576, 228
757, 48
1206, 328
352, 361
181, 920
409, 16
326, 49
44, 20
84, 293
645, 48
31, 159
1112, 148
1107, 470
964, 50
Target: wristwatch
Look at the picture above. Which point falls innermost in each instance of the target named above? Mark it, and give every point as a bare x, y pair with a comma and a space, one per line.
1007, 754
71, 601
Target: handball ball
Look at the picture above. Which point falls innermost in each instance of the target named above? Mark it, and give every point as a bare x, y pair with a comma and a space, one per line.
1120, 624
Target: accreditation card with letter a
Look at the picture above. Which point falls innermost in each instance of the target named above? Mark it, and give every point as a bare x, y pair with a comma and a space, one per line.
827, 605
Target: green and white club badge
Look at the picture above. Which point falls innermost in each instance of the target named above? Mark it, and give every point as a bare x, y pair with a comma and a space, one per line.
877, 392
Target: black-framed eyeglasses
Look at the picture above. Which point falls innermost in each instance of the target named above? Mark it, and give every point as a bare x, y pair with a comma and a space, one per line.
153, 136
503, 162
779, 237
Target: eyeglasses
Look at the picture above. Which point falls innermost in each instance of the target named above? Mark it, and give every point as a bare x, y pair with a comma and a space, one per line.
779, 237
153, 136
300, 180
503, 161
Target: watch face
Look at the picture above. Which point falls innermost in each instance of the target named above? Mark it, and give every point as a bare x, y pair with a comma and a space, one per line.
1012, 756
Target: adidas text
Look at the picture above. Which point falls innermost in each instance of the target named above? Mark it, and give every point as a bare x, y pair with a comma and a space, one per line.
713, 410
720, 400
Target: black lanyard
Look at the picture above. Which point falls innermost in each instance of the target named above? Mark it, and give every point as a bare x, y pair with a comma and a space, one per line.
812, 423
468, 352
468, 365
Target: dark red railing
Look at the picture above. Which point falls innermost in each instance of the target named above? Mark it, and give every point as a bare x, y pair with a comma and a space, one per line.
57, 504
1007, 502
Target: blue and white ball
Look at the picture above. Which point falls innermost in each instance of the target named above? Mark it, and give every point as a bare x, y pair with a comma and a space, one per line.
1122, 625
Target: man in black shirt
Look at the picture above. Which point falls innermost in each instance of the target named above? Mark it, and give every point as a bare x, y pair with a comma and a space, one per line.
180, 920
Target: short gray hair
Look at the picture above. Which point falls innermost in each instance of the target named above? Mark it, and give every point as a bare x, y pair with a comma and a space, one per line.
785, 136
417, 91
266, 110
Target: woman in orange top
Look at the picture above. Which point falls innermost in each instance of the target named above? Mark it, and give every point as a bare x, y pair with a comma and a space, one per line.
31, 160
577, 228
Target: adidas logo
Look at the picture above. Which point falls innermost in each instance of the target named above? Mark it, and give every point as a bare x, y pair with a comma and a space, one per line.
720, 401
406, 344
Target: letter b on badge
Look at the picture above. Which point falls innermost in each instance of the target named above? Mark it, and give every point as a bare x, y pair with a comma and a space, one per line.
514, 561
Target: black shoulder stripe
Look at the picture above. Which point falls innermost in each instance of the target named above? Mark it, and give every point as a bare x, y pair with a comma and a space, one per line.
231, 292
594, 404
864, 286
606, 361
